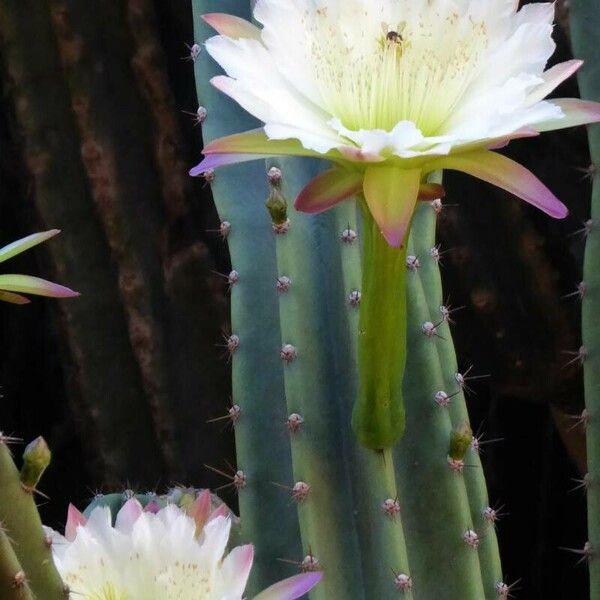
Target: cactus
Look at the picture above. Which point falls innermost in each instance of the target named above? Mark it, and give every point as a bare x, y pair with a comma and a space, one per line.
295, 327
585, 24
21, 522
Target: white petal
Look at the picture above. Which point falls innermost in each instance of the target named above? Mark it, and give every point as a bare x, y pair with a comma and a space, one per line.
236, 568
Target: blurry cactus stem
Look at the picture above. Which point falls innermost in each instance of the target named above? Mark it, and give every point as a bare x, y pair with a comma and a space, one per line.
154, 552
13, 286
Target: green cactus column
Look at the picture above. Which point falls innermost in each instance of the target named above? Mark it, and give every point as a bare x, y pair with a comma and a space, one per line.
21, 522
585, 28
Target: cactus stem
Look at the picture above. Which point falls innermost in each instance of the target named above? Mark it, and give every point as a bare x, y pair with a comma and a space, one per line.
586, 553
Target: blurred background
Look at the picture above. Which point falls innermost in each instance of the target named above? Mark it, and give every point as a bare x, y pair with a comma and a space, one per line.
97, 133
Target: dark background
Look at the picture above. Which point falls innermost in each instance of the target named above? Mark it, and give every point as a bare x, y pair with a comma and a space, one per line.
87, 93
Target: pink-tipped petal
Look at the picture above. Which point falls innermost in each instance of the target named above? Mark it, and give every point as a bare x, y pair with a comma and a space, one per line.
214, 161
152, 507
130, 512
553, 78
13, 298
576, 112
327, 189
236, 568
232, 26
221, 511
256, 141
243, 147
25, 243
506, 174
497, 143
75, 519
200, 510
391, 194
26, 284
291, 588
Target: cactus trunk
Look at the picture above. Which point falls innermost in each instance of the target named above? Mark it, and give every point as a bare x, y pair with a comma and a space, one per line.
585, 24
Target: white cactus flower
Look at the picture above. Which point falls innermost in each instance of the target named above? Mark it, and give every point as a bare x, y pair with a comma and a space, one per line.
391, 90
169, 554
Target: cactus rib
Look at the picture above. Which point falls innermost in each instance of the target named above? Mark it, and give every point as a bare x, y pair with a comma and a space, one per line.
13, 580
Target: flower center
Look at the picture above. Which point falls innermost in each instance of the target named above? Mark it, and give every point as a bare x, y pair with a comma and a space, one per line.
416, 70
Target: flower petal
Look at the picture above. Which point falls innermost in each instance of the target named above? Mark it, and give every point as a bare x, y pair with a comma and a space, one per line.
200, 510
34, 285
327, 189
75, 519
232, 26
291, 588
391, 194
242, 147
553, 78
506, 174
13, 298
25, 243
126, 517
236, 568
576, 112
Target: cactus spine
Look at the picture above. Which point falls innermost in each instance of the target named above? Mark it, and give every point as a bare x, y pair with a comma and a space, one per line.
585, 24
21, 521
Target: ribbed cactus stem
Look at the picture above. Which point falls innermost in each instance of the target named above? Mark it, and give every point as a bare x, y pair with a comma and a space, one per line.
327, 521
13, 579
440, 532
585, 24
239, 194
424, 240
22, 524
